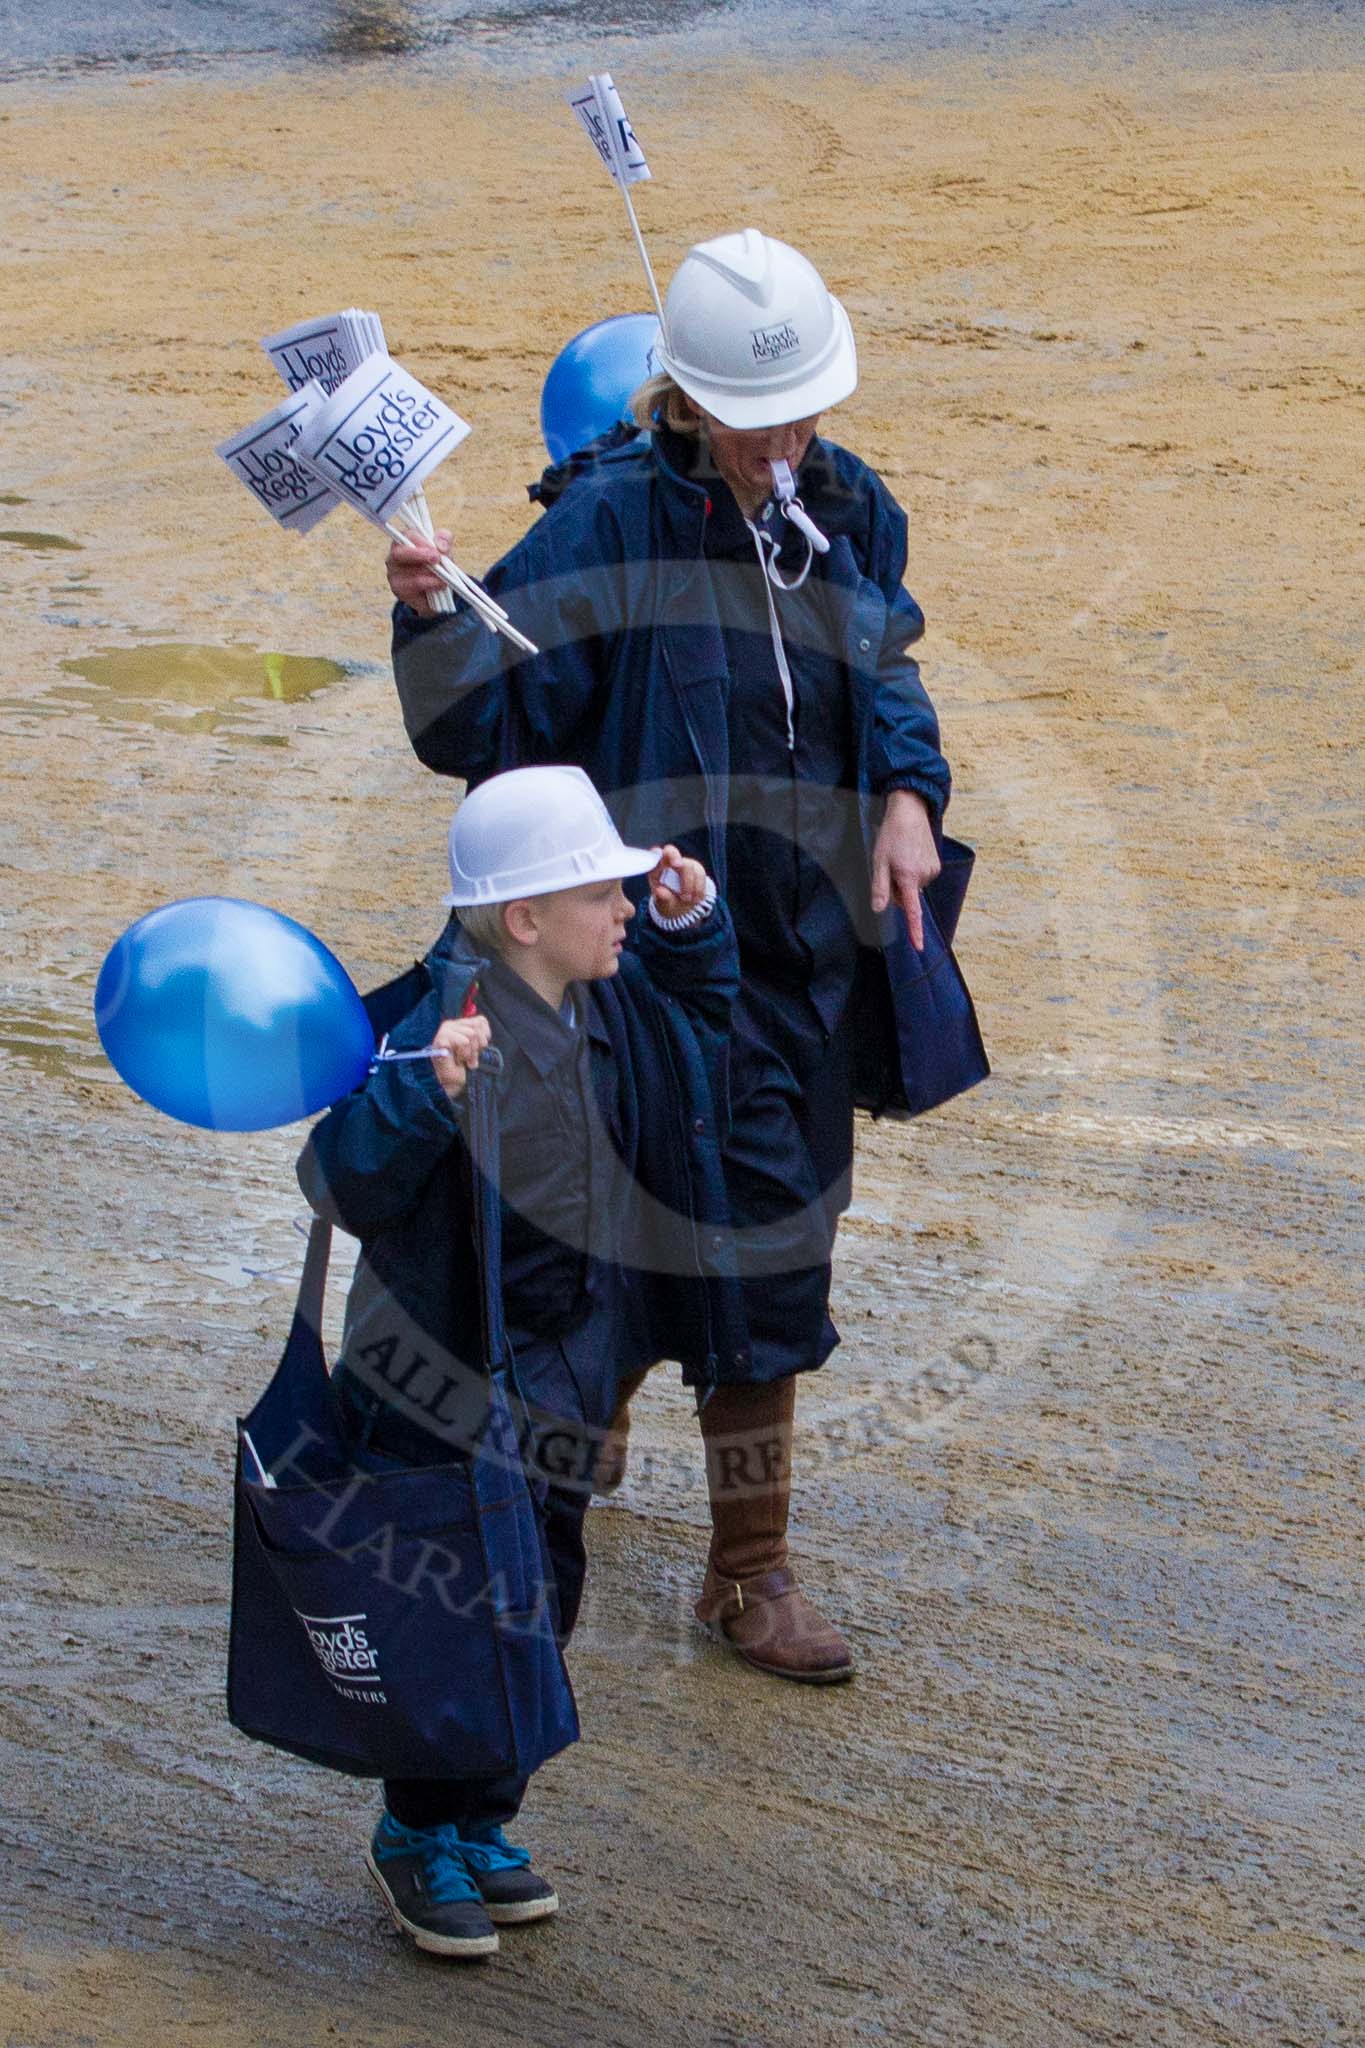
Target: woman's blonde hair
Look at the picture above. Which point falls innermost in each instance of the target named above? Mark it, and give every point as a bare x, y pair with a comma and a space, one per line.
660, 398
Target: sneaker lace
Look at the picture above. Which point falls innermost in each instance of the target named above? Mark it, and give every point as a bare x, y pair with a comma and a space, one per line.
445, 1871
491, 1850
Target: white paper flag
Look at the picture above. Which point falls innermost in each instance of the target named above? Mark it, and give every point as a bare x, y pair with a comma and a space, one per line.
378, 438
599, 108
261, 456
325, 351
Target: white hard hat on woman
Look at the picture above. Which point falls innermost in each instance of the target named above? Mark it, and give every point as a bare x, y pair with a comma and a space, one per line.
754, 337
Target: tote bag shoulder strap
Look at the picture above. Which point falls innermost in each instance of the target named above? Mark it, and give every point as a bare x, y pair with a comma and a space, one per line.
300, 1391
507, 1426
485, 1152
313, 1279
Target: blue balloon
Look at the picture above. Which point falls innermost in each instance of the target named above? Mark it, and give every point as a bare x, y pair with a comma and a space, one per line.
230, 1016
591, 380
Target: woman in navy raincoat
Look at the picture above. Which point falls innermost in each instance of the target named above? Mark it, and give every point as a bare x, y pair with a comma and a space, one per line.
731, 664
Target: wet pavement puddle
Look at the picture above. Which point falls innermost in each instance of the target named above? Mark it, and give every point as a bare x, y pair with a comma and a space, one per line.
58, 1041
181, 687
38, 543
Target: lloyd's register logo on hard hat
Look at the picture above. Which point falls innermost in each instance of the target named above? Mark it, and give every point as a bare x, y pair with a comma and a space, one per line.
771, 343
345, 1653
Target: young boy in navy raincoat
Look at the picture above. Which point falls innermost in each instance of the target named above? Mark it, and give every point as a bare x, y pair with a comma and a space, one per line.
615, 1248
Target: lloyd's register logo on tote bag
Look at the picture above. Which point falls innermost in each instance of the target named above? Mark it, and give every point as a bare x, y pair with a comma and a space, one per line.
343, 1649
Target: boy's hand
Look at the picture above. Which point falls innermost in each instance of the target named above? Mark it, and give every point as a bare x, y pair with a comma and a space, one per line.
691, 880
461, 1040
411, 576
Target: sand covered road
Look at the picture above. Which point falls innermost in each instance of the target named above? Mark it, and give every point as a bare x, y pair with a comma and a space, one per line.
1084, 1482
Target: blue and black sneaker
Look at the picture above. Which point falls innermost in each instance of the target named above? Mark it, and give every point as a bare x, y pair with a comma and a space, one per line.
509, 1887
428, 1888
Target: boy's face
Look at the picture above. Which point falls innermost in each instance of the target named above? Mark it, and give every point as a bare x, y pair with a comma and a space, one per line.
580, 932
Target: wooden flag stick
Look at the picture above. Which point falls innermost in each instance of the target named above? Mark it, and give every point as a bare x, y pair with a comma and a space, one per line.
474, 594
619, 159
644, 257
419, 512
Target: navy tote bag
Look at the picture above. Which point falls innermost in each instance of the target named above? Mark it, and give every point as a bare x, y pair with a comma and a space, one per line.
933, 1041
394, 1620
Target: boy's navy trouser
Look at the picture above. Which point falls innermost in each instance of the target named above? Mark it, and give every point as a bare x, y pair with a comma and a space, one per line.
570, 1388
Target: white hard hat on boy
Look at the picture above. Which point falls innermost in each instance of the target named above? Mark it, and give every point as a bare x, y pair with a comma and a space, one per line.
754, 337
532, 831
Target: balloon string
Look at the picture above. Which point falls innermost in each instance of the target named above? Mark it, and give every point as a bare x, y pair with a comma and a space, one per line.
426, 1052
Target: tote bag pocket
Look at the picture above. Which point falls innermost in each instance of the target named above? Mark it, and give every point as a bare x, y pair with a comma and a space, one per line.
395, 1626
380, 1648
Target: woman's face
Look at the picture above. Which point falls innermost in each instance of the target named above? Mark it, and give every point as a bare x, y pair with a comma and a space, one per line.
744, 455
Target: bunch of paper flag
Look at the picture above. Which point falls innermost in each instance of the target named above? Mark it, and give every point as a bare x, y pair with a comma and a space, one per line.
356, 429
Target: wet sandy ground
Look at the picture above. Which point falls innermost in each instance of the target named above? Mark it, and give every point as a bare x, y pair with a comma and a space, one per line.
1084, 1482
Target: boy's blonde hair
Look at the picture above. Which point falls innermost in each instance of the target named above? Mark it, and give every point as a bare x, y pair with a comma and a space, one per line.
660, 397
484, 925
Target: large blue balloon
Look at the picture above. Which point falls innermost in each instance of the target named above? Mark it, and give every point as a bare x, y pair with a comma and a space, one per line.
590, 382
230, 1016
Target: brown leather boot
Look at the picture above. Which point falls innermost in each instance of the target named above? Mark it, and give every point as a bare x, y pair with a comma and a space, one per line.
750, 1599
